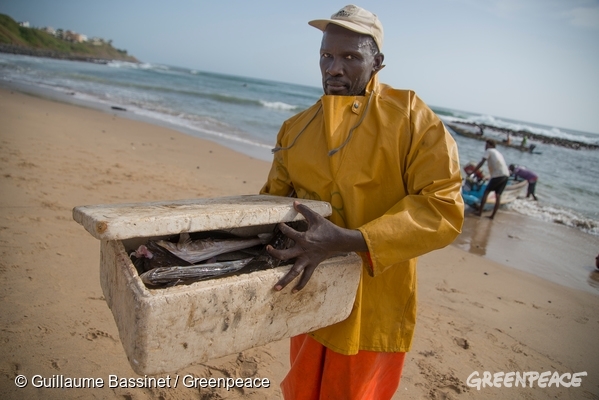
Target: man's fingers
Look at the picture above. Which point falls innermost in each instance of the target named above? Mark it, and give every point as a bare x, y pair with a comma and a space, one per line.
310, 215
302, 263
283, 254
289, 231
304, 279
293, 273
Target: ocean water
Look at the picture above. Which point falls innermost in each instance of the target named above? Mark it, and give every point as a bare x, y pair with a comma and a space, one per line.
246, 114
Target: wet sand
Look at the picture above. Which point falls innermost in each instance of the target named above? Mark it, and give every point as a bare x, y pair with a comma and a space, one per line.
558, 253
479, 310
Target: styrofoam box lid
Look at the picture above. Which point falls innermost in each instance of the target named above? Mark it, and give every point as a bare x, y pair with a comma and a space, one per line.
124, 221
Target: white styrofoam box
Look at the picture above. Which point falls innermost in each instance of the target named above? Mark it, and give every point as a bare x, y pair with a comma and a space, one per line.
164, 330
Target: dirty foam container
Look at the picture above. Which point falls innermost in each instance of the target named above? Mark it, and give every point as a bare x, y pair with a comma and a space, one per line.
164, 330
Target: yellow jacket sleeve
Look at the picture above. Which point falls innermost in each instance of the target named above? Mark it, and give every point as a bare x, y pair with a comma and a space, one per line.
430, 216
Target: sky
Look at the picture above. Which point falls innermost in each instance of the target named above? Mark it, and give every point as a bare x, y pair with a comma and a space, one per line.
529, 60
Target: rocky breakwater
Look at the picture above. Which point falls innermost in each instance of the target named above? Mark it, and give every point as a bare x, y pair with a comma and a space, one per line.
490, 129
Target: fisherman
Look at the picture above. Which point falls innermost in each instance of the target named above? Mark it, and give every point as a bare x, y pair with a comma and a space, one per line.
481, 130
522, 173
391, 172
499, 175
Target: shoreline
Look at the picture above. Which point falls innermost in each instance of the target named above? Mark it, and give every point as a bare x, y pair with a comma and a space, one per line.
475, 314
257, 152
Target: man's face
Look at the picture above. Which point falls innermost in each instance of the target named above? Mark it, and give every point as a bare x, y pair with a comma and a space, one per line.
346, 61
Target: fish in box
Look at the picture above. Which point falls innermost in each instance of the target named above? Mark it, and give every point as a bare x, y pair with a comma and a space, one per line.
166, 329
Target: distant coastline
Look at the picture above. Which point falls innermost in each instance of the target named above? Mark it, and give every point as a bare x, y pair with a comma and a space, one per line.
18, 38
47, 53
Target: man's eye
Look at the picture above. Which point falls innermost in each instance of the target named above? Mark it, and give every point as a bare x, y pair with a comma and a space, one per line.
349, 57
325, 55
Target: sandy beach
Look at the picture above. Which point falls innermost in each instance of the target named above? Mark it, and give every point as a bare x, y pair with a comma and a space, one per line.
479, 308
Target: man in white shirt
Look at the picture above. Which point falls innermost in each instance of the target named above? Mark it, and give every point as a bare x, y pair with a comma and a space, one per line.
499, 175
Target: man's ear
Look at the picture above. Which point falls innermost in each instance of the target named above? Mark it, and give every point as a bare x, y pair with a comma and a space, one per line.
378, 62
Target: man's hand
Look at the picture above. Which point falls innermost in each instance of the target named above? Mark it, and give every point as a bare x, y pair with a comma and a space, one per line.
322, 240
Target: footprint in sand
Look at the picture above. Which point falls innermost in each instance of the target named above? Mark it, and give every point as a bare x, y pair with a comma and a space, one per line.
446, 290
516, 348
582, 320
93, 334
52, 206
439, 382
43, 330
477, 304
492, 337
513, 365
15, 370
56, 364
463, 343
246, 366
27, 164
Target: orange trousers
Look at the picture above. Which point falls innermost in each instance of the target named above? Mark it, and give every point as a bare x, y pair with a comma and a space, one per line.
318, 373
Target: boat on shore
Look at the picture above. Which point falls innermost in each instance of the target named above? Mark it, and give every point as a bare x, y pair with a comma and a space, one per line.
475, 184
474, 188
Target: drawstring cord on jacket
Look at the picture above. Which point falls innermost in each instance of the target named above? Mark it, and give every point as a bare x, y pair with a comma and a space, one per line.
351, 131
278, 148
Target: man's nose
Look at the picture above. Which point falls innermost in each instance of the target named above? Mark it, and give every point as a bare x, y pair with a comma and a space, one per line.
335, 68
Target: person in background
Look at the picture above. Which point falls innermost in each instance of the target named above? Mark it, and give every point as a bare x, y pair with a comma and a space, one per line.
524, 174
531, 148
499, 176
481, 130
391, 172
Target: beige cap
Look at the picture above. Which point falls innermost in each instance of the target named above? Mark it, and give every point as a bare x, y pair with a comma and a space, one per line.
355, 19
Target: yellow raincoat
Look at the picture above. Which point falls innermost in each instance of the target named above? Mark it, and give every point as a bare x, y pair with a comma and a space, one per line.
389, 169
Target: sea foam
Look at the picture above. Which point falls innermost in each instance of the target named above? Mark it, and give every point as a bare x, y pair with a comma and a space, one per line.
278, 105
555, 215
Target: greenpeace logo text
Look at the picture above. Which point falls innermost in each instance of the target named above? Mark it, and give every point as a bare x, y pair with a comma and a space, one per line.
523, 379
